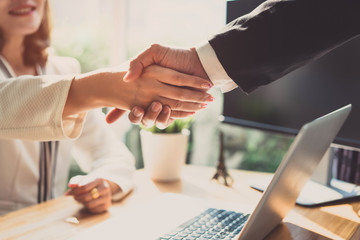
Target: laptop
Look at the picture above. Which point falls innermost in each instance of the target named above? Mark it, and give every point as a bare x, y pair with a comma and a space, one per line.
176, 216
279, 198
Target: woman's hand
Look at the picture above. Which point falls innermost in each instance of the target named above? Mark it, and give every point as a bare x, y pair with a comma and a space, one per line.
160, 113
183, 93
155, 114
167, 86
95, 195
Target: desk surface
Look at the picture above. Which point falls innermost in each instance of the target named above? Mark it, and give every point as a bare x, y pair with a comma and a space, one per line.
48, 220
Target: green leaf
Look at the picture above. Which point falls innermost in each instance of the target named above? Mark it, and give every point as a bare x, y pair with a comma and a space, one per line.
176, 127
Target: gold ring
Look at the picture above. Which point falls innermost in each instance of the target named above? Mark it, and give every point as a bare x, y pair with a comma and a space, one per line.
95, 193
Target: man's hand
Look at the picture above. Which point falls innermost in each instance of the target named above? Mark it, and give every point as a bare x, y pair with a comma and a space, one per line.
182, 60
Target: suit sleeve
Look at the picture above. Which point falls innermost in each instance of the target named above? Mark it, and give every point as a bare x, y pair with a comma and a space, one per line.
280, 36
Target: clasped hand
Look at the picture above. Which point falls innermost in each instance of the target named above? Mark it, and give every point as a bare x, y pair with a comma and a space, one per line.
165, 94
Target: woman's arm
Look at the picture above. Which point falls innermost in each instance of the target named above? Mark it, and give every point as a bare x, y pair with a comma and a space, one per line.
54, 107
107, 89
31, 108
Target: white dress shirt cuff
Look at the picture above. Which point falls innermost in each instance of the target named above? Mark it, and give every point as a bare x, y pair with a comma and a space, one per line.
214, 69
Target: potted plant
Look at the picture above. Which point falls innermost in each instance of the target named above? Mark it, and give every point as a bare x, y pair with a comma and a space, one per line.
164, 150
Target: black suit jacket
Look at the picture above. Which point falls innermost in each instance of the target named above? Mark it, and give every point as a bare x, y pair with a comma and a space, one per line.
282, 35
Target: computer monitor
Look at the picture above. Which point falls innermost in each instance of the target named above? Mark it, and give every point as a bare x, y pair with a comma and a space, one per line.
309, 92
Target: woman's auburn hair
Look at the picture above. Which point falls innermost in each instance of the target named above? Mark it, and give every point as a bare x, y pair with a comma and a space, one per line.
36, 44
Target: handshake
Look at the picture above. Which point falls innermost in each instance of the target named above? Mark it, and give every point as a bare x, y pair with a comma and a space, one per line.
175, 67
161, 84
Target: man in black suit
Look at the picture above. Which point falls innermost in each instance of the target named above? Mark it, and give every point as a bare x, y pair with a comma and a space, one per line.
276, 38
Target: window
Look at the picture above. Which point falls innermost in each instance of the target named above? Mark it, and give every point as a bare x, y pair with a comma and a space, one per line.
108, 32
100, 33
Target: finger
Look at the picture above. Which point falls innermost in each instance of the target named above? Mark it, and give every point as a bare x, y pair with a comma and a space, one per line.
141, 61
68, 192
136, 115
162, 120
180, 114
170, 121
151, 114
83, 198
100, 209
183, 94
103, 189
104, 199
182, 105
87, 197
172, 77
87, 187
114, 115
135, 70
74, 183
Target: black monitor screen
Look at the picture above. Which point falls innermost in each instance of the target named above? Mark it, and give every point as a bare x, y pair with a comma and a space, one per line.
318, 88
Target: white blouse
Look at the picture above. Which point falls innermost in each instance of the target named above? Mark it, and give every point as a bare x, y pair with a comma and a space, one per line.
31, 109
36, 103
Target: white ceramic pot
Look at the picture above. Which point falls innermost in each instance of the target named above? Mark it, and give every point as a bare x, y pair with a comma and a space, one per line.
164, 154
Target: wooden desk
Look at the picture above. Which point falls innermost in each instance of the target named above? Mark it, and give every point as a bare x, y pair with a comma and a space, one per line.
47, 220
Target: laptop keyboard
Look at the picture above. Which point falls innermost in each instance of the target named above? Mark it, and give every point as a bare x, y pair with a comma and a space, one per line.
211, 224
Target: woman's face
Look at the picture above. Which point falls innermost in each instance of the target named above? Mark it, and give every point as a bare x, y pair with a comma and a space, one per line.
20, 17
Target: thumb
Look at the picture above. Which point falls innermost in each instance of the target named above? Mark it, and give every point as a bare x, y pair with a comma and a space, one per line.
135, 70
148, 57
114, 115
